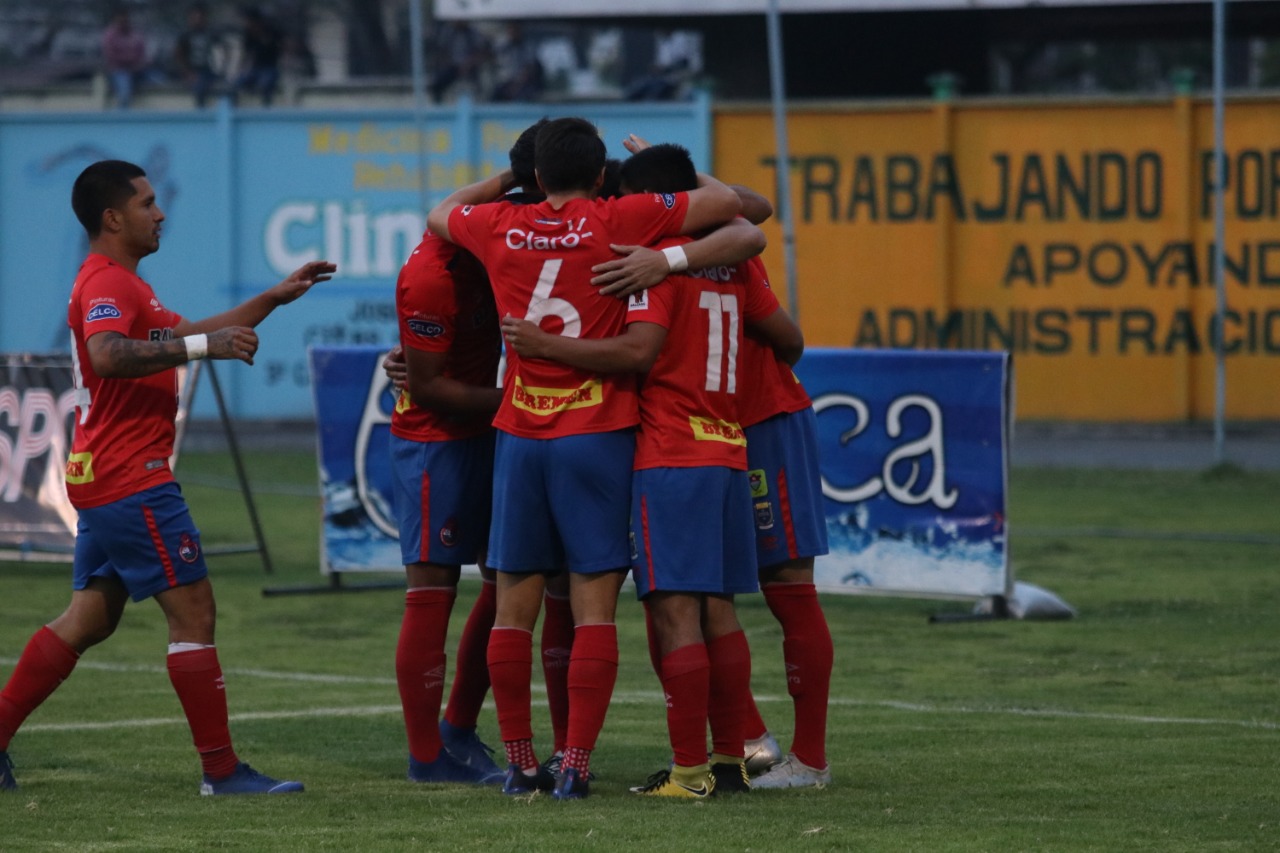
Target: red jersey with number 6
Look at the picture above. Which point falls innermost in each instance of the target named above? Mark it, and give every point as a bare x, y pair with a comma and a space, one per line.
124, 427
539, 261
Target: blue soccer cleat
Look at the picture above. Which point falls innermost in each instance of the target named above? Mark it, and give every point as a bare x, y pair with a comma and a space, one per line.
447, 768
553, 762
246, 780
518, 782
571, 786
465, 746
7, 782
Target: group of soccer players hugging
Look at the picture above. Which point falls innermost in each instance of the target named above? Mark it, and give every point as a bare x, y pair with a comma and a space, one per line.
648, 424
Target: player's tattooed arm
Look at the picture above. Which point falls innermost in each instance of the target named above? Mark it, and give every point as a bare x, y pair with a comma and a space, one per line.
115, 356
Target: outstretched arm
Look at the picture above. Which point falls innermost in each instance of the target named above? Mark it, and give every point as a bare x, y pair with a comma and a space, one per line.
255, 309
634, 351
481, 192
228, 335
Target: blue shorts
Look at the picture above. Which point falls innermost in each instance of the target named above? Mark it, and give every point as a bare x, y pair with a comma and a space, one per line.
786, 488
146, 541
446, 489
692, 531
562, 503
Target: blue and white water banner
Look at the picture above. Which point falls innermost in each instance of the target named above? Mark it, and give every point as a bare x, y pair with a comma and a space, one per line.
912, 445
354, 401
913, 451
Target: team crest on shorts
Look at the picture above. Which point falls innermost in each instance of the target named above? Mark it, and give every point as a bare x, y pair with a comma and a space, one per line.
449, 533
635, 553
764, 515
188, 548
758, 482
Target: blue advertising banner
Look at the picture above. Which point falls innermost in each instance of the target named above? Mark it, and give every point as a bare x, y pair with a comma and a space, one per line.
354, 401
251, 195
913, 449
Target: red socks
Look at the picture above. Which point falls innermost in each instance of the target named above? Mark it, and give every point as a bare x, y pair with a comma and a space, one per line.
45, 663
471, 665
557, 646
593, 670
686, 680
808, 654
510, 668
730, 659
197, 679
421, 666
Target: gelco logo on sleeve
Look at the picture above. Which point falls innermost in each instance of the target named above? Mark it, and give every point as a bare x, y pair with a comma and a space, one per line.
102, 312
425, 328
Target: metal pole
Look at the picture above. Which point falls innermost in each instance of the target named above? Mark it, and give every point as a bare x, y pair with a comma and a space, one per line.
417, 35
1219, 226
778, 93
236, 459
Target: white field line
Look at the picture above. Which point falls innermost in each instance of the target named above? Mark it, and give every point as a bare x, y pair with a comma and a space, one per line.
624, 698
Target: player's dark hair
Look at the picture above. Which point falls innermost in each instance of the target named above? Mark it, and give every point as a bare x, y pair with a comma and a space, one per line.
665, 168
611, 187
569, 155
105, 185
522, 159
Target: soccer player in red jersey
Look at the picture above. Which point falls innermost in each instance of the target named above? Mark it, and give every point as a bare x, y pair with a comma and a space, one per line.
562, 469
691, 521
442, 452
786, 494
135, 537
443, 445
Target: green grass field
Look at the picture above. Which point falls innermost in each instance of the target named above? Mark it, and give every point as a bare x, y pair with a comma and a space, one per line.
1151, 722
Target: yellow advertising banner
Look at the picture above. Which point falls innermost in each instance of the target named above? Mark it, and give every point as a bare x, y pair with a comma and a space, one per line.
1077, 236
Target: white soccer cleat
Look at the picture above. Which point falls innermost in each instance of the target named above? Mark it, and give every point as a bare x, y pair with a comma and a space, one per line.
761, 753
791, 772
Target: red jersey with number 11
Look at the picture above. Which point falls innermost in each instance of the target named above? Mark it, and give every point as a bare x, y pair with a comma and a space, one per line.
689, 399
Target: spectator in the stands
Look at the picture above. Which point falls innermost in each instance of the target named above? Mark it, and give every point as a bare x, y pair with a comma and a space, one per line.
193, 56
520, 76
262, 44
124, 57
460, 54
